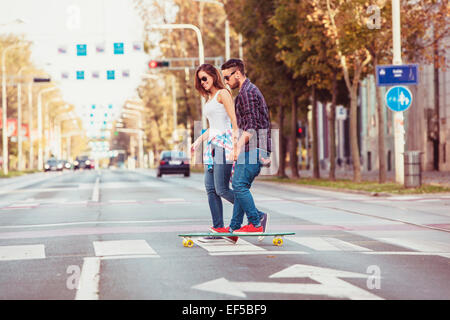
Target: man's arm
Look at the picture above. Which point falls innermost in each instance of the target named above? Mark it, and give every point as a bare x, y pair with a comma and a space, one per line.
249, 104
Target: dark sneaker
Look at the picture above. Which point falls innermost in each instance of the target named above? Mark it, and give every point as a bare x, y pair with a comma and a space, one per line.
210, 239
263, 221
249, 229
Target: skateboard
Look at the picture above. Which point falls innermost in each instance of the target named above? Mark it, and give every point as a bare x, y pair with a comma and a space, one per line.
277, 236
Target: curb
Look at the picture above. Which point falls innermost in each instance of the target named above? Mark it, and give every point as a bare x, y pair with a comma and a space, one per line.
368, 193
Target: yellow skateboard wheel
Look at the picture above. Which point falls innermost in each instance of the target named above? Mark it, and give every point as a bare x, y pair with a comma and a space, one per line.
188, 243
278, 241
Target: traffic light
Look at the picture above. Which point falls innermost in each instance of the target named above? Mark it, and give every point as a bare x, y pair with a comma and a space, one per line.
38, 79
300, 130
158, 64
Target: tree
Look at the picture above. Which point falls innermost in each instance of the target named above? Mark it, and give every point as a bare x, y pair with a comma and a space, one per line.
277, 82
307, 51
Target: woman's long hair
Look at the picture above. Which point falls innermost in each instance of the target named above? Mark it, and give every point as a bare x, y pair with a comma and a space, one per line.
214, 73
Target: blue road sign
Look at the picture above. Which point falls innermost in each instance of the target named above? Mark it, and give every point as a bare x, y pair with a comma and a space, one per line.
110, 75
398, 98
80, 75
391, 75
81, 49
118, 48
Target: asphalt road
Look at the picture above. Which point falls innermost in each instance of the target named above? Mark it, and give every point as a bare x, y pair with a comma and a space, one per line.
112, 234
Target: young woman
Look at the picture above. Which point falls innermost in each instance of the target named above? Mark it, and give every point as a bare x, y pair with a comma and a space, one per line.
221, 137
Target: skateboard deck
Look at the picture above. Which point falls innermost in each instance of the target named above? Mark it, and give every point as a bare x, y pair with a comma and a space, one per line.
277, 236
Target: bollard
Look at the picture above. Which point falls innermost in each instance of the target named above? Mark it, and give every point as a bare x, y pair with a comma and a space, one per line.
413, 169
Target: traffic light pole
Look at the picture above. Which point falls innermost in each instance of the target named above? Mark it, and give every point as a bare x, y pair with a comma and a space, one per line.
201, 50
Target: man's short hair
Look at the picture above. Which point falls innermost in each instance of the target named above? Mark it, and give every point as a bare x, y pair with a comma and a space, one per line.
238, 63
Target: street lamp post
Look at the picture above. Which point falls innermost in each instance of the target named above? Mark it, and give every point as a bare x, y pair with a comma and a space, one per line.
201, 50
140, 135
39, 104
227, 28
5, 108
19, 118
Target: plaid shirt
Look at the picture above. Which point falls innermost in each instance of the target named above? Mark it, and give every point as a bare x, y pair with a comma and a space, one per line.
221, 140
252, 115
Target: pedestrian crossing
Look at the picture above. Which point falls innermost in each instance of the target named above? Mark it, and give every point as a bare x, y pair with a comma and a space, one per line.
141, 248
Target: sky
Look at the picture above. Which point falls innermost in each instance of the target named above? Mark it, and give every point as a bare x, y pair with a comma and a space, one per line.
55, 24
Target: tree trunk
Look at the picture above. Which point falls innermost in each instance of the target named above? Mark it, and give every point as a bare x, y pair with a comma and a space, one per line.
381, 144
332, 131
315, 142
282, 145
293, 159
354, 130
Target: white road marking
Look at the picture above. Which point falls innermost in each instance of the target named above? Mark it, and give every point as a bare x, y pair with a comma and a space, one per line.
439, 248
224, 247
410, 253
122, 201
327, 244
329, 284
266, 252
123, 248
171, 200
89, 280
22, 252
100, 222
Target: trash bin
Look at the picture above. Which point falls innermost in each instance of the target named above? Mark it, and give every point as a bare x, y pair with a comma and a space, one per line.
413, 169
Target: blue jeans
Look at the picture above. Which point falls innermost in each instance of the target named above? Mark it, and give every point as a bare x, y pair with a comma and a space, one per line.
246, 169
217, 184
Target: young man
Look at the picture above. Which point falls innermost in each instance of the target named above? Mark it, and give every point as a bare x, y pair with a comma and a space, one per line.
253, 147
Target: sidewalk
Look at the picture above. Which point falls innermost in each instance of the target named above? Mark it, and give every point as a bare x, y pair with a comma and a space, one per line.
428, 177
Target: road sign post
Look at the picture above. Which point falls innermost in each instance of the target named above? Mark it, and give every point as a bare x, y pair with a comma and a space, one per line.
399, 129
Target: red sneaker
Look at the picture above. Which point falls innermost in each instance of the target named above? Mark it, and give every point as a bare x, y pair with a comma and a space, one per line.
249, 229
233, 240
219, 230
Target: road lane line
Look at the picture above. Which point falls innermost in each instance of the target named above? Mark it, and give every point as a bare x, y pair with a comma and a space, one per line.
23, 252
89, 279
100, 222
95, 192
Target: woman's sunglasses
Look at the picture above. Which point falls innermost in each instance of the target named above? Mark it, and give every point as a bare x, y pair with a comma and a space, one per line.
228, 77
203, 79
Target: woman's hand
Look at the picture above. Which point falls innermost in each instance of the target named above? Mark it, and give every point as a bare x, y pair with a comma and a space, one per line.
194, 146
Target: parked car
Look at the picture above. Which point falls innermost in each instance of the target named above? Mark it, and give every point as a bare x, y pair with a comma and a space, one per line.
53, 165
173, 162
83, 162
66, 165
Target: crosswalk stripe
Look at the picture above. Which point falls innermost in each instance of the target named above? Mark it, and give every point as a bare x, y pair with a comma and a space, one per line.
327, 244
124, 248
22, 252
224, 247
440, 248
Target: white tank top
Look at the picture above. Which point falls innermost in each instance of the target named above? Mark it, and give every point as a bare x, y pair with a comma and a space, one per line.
217, 116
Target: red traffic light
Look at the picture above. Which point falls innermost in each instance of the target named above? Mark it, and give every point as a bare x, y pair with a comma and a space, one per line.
153, 64
300, 130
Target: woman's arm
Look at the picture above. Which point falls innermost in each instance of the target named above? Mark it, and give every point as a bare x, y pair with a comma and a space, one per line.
200, 140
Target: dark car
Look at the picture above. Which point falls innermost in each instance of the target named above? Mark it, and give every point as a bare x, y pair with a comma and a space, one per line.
173, 162
83, 162
53, 165
66, 165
